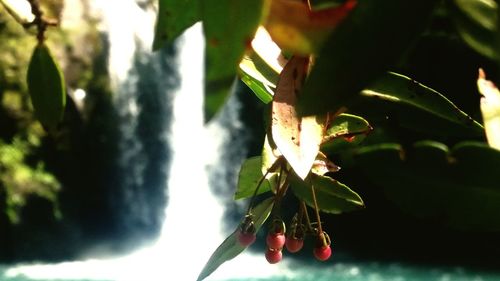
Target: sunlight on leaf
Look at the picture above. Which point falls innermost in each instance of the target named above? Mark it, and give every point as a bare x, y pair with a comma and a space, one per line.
347, 126
231, 248
174, 17
264, 46
298, 139
323, 165
46, 87
490, 109
20, 10
258, 77
261, 66
398, 88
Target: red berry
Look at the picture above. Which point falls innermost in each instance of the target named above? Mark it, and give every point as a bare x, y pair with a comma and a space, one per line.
246, 238
275, 240
293, 244
323, 253
273, 255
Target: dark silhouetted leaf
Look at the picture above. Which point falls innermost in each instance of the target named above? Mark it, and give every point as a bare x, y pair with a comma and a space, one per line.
458, 187
47, 87
393, 87
230, 248
476, 22
229, 28
332, 196
174, 17
364, 46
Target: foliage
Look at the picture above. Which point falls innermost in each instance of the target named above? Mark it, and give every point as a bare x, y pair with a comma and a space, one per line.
21, 180
313, 62
320, 66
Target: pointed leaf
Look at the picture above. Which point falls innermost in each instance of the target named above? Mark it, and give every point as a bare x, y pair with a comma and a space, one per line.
397, 88
332, 196
476, 22
229, 27
298, 139
323, 165
47, 87
362, 47
490, 109
259, 77
174, 17
350, 128
231, 248
249, 176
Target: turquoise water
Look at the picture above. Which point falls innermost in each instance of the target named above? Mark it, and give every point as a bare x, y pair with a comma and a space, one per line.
372, 271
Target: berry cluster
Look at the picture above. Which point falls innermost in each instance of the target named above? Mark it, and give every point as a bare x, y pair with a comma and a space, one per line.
299, 227
293, 240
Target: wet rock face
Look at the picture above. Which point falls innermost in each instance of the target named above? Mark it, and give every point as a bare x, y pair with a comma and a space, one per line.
93, 208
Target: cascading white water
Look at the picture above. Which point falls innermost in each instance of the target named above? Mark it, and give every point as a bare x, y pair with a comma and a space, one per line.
192, 228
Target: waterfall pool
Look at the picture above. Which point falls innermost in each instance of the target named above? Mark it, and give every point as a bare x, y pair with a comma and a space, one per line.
339, 271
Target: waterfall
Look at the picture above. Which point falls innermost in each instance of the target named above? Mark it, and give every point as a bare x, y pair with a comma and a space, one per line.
193, 218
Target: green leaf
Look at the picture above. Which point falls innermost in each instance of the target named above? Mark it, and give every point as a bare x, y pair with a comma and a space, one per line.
456, 188
332, 196
231, 248
345, 130
361, 48
47, 87
229, 27
259, 77
174, 17
476, 22
402, 90
249, 176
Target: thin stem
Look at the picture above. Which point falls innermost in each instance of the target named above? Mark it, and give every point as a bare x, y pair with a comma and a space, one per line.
280, 194
39, 21
260, 183
306, 215
316, 209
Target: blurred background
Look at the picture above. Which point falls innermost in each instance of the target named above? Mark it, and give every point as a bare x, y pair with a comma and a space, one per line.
100, 187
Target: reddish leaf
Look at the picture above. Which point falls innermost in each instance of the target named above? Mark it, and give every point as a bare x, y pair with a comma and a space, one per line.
300, 30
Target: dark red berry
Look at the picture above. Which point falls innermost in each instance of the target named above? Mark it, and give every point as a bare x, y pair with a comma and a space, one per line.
275, 240
273, 255
246, 238
323, 253
294, 244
